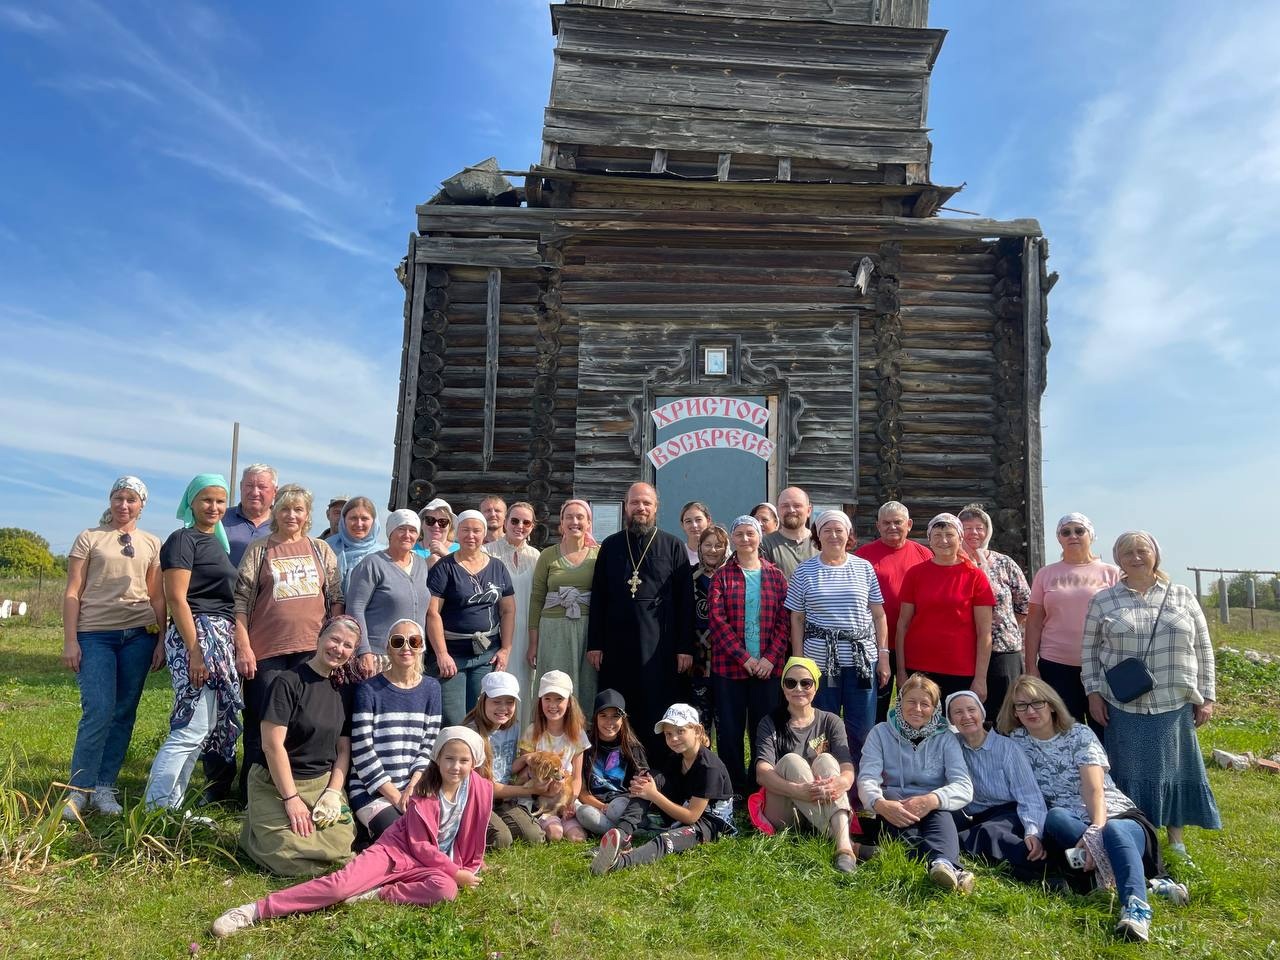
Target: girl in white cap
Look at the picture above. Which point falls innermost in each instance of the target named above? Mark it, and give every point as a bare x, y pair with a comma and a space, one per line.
693, 791
426, 856
559, 726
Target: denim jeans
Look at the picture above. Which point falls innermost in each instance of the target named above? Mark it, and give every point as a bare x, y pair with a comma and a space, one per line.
1124, 841
171, 770
113, 667
459, 693
858, 703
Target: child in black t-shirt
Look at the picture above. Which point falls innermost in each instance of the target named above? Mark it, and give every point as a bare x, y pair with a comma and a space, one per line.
693, 790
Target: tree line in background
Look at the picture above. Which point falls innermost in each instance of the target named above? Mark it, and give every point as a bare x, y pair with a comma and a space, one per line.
1266, 592
24, 553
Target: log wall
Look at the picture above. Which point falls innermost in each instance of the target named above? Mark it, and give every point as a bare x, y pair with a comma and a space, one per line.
893, 13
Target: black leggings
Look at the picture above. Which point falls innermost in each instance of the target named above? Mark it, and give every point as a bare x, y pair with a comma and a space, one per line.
673, 840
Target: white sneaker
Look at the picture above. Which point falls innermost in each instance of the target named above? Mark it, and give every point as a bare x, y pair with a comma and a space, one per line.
1176, 893
944, 875
367, 895
104, 801
198, 821
73, 808
235, 919
964, 881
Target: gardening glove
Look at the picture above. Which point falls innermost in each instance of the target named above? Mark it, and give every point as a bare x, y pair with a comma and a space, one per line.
329, 809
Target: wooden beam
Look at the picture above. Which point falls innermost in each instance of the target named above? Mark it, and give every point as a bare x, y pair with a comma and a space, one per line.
409, 379
659, 164
784, 169
1034, 359
722, 166
549, 152
479, 252
492, 313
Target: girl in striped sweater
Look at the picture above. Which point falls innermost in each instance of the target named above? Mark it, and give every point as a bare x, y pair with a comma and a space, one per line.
394, 722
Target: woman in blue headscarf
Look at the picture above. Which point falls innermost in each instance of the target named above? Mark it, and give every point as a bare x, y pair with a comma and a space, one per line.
357, 536
200, 581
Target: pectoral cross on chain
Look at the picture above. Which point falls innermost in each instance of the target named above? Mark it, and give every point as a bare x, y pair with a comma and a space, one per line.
634, 582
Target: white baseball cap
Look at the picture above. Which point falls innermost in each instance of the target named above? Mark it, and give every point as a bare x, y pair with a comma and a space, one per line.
678, 715
500, 684
556, 681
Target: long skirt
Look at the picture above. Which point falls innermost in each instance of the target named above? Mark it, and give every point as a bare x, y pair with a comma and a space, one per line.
1156, 761
267, 838
562, 645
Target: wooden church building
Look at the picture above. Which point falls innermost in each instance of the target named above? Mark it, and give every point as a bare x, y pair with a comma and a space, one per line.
727, 275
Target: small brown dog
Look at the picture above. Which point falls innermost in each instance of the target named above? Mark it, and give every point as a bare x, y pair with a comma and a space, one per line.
544, 767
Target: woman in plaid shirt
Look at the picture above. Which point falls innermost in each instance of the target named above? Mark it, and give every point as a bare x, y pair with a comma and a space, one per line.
750, 629
1151, 740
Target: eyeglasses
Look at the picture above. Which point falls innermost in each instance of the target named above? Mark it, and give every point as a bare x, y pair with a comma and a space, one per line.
436, 522
125, 540
1072, 532
397, 642
790, 683
517, 522
1020, 706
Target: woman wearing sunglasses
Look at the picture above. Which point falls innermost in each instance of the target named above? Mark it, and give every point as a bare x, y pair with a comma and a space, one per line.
520, 558
395, 717
387, 586
803, 765
1087, 811
1060, 595
438, 527
113, 612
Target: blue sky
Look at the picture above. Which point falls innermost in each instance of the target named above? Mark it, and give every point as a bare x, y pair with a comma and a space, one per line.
201, 207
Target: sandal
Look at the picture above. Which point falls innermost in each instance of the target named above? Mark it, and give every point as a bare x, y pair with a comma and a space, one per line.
845, 862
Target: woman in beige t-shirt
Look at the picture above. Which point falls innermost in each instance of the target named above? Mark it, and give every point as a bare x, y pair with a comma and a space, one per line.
113, 613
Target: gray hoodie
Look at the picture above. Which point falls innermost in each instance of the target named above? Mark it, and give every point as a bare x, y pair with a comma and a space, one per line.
893, 769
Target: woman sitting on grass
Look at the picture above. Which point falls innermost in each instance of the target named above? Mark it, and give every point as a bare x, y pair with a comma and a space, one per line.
426, 856
913, 775
804, 765
693, 790
1087, 811
296, 824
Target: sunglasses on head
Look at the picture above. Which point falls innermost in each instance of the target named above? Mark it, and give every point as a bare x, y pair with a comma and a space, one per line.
790, 683
126, 540
435, 522
398, 641
1072, 532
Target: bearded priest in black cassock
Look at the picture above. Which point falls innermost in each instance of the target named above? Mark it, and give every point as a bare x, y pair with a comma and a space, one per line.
640, 632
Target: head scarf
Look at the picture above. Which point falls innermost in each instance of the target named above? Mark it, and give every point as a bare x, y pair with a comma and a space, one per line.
747, 520
466, 735
829, 516
590, 540
403, 518
805, 662
979, 514
350, 550
1079, 518
946, 707
185, 513
470, 515
1155, 546
768, 506
124, 483
950, 519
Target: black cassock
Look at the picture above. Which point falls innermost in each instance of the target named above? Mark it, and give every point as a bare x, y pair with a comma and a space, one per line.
641, 636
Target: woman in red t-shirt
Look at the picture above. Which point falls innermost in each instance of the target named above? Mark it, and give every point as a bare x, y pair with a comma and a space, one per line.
944, 626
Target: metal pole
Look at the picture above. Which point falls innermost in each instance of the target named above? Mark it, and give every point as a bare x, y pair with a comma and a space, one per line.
235, 453
1224, 608
1199, 594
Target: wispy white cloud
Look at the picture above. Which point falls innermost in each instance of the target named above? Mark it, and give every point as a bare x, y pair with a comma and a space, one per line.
25, 20
83, 83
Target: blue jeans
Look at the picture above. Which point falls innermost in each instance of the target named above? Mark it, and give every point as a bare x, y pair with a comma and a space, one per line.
858, 703
172, 767
459, 693
113, 667
1124, 841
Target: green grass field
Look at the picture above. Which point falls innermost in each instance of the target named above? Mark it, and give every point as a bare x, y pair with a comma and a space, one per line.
146, 887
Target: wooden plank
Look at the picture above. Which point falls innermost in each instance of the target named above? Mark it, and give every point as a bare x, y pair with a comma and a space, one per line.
722, 166
830, 11
409, 385
485, 252
784, 168
1034, 360
659, 164
491, 364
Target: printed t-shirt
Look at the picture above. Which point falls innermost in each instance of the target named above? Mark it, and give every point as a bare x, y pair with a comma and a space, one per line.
469, 602
315, 715
826, 734
115, 586
1064, 591
891, 566
942, 637
558, 743
291, 607
211, 590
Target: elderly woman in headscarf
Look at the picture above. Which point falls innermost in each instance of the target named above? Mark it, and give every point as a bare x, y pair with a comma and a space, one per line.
113, 610
750, 632
560, 605
1151, 734
387, 586
199, 583
913, 775
1060, 595
837, 620
767, 514
1012, 595
470, 618
356, 537
804, 765
439, 524
944, 625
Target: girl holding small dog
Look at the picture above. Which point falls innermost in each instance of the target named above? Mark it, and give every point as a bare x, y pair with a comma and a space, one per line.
494, 718
610, 766
558, 727
426, 856
694, 791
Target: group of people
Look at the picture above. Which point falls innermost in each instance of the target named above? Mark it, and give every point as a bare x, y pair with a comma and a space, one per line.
412, 687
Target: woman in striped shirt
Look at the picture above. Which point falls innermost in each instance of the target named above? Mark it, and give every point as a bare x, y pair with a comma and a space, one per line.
394, 721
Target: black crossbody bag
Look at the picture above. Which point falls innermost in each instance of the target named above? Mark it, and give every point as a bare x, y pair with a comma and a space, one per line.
1130, 678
